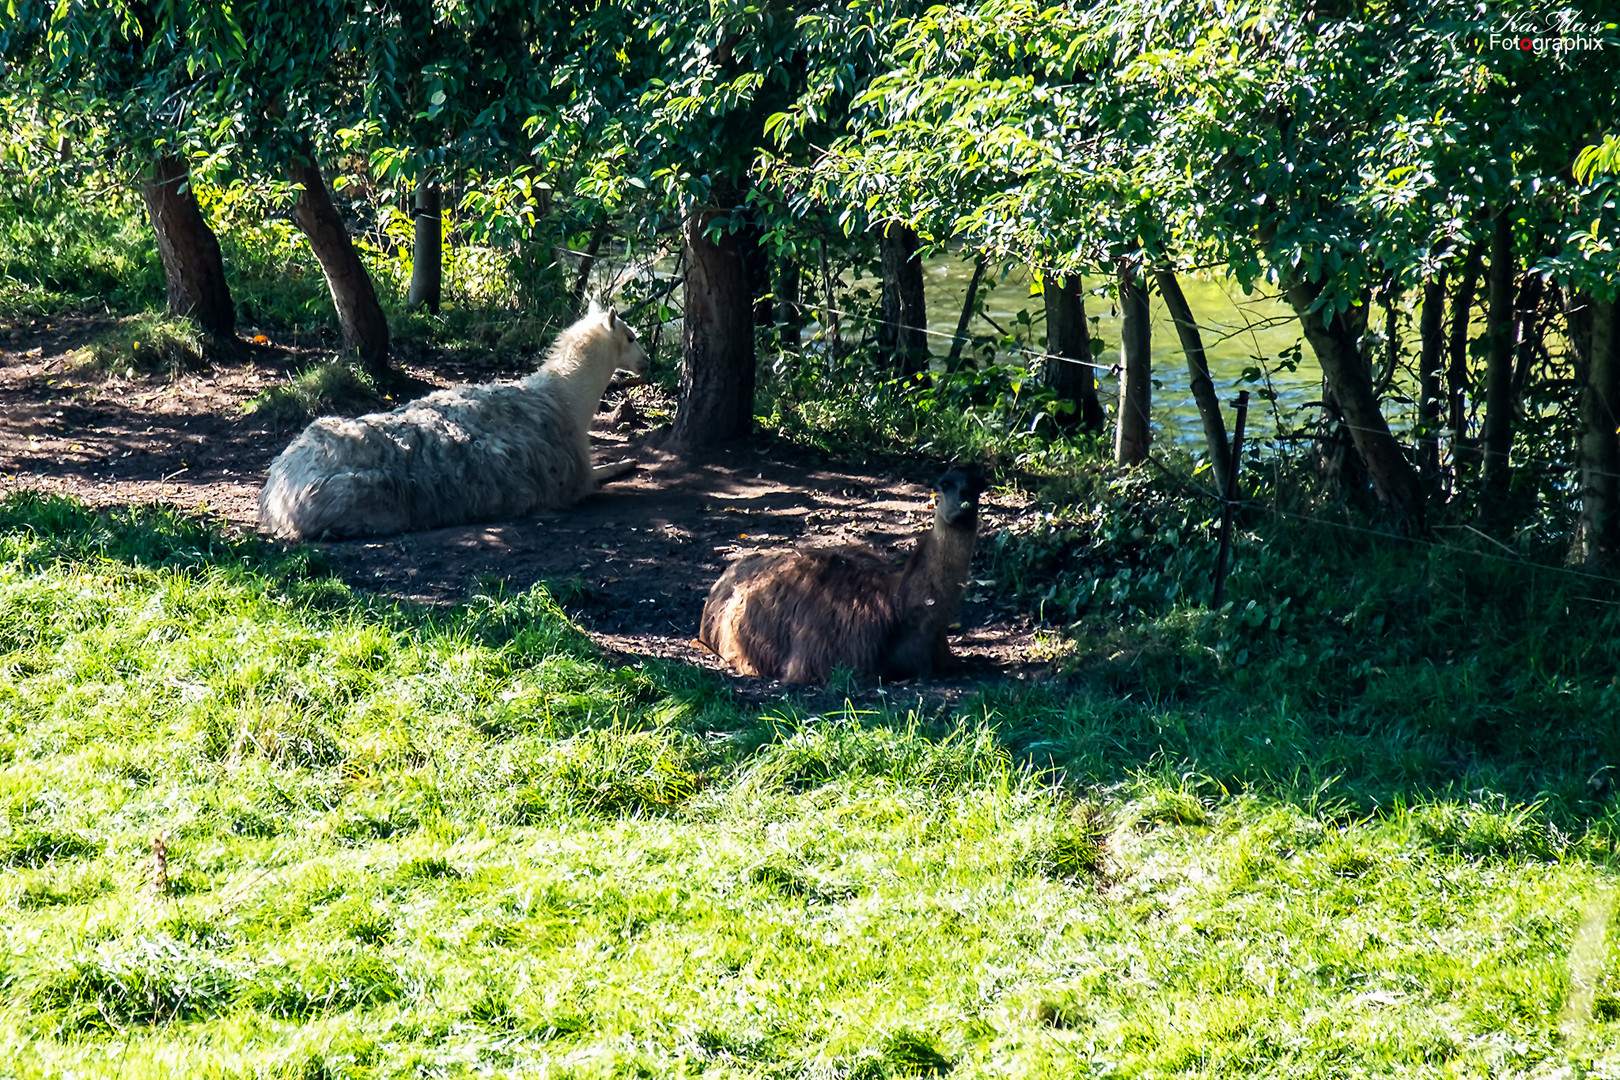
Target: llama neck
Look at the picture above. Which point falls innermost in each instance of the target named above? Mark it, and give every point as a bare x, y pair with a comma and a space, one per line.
578, 372
936, 575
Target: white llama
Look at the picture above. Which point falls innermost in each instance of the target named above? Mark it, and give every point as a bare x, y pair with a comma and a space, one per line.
471, 453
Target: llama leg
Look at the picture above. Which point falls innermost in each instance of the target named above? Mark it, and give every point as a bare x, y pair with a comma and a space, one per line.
603, 473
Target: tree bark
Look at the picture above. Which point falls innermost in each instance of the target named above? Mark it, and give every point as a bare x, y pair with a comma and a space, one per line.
902, 336
1203, 388
193, 271
360, 316
1337, 351
1594, 332
1133, 434
427, 257
1067, 369
1497, 438
717, 353
1462, 313
1432, 342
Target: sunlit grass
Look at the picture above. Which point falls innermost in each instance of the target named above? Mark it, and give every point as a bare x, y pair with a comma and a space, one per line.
401, 842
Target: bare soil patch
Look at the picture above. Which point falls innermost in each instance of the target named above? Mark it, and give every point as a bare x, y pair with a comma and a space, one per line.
632, 563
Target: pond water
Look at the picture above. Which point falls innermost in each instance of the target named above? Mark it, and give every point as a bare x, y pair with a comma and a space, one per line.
1236, 329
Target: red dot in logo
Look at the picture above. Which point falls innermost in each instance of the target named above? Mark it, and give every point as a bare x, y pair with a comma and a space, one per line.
1526, 45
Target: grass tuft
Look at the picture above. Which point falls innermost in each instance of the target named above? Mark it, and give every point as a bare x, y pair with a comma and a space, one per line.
828, 750
147, 980
148, 344
334, 388
34, 847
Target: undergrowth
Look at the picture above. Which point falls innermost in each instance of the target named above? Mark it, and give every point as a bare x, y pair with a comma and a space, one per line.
402, 841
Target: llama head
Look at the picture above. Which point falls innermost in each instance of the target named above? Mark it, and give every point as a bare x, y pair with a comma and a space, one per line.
957, 493
619, 336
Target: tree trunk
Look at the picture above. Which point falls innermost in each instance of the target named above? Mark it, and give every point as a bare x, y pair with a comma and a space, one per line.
582, 280
717, 353
789, 314
758, 263
831, 332
1497, 437
427, 258
902, 336
1337, 351
364, 326
1594, 330
1462, 313
1133, 434
1067, 369
1392, 340
1203, 389
1432, 341
193, 271
960, 338
1526, 332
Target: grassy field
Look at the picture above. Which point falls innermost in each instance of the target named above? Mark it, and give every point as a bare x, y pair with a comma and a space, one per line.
1362, 822
403, 842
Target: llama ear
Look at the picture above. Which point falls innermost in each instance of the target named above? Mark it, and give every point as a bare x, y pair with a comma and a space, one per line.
596, 307
612, 315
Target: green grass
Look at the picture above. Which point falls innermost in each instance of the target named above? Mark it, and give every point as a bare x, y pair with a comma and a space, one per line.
147, 344
333, 387
408, 842
65, 250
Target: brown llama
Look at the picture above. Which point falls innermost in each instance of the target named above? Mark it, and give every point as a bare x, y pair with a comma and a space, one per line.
797, 615
470, 453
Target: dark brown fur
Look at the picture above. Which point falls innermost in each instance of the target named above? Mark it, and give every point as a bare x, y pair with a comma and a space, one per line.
797, 615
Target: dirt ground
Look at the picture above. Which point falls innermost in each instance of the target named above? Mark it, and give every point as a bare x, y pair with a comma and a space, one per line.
632, 563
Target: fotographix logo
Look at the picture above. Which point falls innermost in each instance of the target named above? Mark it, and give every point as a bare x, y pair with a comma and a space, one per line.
1557, 32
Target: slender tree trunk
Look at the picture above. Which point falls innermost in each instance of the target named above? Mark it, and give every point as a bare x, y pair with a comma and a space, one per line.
1067, 369
789, 315
1462, 313
1594, 331
582, 280
1203, 389
960, 338
1336, 346
831, 333
903, 332
1133, 434
427, 258
1392, 340
1526, 332
717, 354
1432, 342
193, 271
360, 316
1499, 406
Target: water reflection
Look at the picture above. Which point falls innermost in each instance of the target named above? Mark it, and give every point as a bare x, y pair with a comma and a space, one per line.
1236, 328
